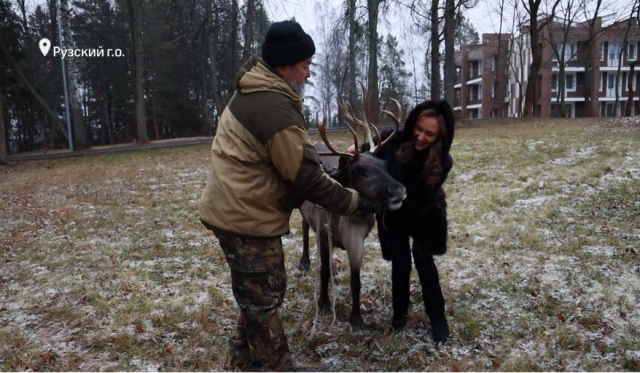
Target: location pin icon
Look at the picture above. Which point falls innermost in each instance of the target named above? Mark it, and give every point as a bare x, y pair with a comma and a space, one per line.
45, 45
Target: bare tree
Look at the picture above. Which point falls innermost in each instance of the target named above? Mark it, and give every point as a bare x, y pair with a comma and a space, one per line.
79, 130
353, 28
630, 91
235, 13
562, 51
623, 53
135, 24
3, 140
535, 27
372, 75
43, 103
592, 22
212, 40
435, 51
449, 50
248, 31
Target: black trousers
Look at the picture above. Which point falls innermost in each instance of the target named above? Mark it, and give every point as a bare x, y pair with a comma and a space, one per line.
429, 233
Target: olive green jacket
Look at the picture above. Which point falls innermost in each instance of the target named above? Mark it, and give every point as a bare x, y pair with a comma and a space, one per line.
263, 164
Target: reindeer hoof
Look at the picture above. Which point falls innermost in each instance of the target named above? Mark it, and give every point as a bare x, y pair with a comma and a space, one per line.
357, 325
303, 266
324, 307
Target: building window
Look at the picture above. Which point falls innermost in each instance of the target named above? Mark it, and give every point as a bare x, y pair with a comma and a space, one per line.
569, 82
494, 63
475, 69
632, 52
614, 51
568, 51
612, 83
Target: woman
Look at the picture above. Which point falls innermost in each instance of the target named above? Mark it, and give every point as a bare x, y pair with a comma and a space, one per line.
419, 158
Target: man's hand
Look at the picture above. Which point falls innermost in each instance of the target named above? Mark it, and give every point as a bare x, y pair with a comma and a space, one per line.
365, 205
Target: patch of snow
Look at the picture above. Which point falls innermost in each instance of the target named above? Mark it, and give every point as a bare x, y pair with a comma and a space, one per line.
563, 161
145, 366
532, 201
467, 176
599, 250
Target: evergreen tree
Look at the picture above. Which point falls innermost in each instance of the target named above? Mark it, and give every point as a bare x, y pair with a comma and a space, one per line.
465, 33
394, 77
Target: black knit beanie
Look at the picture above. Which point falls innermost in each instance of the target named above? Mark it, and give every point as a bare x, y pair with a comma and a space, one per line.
286, 43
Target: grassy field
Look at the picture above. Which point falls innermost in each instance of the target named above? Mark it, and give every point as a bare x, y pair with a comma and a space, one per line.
104, 264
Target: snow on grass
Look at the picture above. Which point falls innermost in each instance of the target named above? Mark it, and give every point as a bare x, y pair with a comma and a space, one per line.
105, 265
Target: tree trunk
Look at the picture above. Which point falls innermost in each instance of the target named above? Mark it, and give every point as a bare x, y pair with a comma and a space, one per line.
352, 53
588, 73
135, 24
536, 58
32, 90
449, 56
373, 105
3, 140
212, 39
627, 109
435, 52
622, 54
233, 45
156, 129
248, 31
79, 130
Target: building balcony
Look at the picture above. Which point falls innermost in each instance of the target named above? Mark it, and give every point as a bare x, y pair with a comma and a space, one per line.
473, 81
474, 101
569, 69
622, 93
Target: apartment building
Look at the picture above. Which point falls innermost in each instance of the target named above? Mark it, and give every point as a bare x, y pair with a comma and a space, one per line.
481, 78
566, 53
492, 77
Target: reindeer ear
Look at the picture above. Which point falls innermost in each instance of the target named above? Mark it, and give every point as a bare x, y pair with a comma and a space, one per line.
343, 162
341, 175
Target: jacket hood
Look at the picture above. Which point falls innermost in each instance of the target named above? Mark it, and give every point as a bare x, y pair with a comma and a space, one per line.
441, 107
256, 76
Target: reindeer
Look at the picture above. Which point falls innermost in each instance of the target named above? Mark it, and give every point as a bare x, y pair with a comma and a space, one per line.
368, 175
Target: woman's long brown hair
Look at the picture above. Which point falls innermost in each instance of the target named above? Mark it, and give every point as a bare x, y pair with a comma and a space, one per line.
432, 169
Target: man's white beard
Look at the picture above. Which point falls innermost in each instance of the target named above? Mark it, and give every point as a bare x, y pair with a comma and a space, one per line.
297, 88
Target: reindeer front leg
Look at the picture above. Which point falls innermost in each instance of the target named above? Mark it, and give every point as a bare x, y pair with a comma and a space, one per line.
356, 319
355, 252
305, 262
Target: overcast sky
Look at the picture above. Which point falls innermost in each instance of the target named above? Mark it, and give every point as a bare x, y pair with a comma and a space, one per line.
397, 21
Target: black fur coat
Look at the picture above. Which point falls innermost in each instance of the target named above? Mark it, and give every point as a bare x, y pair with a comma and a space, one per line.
423, 214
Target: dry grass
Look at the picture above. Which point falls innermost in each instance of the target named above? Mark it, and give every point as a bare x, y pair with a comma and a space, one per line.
105, 266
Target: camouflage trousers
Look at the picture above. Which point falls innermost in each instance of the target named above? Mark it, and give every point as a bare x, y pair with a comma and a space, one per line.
259, 283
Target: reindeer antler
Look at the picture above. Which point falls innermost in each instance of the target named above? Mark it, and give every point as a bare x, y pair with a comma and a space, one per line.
322, 130
350, 115
396, 119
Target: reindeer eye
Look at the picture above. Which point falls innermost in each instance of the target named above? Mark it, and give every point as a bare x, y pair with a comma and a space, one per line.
358, 172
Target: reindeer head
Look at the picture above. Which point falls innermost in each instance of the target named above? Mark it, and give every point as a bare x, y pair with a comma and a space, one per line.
363, 171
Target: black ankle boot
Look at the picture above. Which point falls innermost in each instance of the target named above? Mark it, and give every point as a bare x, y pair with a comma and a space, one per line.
398, 323
440, 329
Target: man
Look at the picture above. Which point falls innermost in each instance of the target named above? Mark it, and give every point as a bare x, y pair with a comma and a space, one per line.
263, 166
